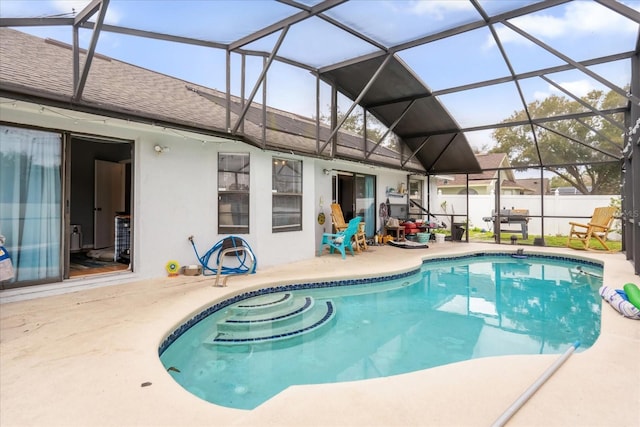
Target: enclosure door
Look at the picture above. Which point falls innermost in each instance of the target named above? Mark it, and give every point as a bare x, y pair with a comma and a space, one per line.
109, 200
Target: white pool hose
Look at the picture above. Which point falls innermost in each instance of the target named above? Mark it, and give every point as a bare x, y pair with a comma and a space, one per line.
515, 406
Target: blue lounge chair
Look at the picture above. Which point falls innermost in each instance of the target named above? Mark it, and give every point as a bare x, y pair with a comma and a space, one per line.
342, 239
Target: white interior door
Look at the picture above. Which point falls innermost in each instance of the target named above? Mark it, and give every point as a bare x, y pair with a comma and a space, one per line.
109, 199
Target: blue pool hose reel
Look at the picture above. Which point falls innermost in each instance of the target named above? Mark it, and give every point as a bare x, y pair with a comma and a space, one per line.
227, 242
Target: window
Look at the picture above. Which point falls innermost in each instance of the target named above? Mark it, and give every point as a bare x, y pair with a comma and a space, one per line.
287, 195
416, 195
233, 193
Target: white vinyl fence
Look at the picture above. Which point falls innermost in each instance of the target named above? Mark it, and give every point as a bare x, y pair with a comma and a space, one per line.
578, 207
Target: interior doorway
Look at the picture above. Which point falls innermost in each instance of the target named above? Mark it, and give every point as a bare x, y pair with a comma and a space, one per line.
356, 195
98, 199
109, 191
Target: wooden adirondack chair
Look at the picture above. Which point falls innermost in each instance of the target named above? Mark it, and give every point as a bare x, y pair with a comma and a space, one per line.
341, 240
337, 218
598, 228
339, 224
361, 238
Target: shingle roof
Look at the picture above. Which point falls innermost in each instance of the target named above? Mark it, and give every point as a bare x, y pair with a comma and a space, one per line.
533, 185
42, 68
489, 163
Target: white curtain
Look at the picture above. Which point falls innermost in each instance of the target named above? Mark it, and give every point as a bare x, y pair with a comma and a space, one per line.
365, 202
30, 202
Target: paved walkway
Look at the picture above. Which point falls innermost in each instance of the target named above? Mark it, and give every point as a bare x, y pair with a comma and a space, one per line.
79, 359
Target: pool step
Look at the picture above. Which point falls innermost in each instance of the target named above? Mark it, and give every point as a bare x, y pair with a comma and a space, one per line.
249, 322
279, 314
262, 304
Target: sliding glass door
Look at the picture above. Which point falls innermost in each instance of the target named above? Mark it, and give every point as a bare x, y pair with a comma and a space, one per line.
356, 194
31, 204
366, 202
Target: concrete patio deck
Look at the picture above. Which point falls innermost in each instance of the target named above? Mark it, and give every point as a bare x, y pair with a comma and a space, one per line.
80, 358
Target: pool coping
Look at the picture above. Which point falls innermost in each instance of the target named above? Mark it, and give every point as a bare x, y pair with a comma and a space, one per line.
268, 288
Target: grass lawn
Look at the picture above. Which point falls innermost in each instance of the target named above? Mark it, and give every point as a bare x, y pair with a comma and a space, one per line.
553, 241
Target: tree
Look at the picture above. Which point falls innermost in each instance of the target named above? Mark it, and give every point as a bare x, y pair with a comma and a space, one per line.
355, 124
591, 166
558, 181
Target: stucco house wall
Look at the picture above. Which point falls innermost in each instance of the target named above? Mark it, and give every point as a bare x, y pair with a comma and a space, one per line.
175, 192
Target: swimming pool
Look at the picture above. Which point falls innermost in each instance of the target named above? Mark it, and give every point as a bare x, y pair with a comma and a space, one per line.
244, 350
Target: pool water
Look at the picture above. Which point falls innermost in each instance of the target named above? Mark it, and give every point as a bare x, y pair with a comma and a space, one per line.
445, 312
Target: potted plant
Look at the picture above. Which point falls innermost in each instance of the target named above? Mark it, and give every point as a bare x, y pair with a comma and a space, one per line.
439, 235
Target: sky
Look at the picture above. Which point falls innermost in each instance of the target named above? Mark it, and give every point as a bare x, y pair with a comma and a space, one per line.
579, 30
